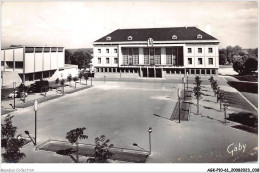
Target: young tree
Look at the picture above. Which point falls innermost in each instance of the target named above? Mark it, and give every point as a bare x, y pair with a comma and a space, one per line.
57, 81
197, 91
74, 135
102, 150
69, 78
198, 81
197, 94
86, 78
221, 97
10, 143
75, 79
62, 83
80, 75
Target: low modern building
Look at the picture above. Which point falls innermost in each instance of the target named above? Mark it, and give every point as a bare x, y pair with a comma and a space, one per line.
22, 64
156, 52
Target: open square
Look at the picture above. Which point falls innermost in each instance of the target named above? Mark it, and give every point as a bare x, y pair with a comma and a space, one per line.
123, 111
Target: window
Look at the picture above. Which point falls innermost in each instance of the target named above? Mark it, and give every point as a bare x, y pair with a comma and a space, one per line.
211, 61
210, 50
168, 56
99, 50
108, 38
199, 50
115, 61
2, 63
130, 38
115, 50
107, 60
199, 36
174, 37
189, 60
200, 61
189, 50
99, 60
107, 50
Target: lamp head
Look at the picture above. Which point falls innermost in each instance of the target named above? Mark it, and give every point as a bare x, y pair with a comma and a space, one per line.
134, 144
26, 132
150, 130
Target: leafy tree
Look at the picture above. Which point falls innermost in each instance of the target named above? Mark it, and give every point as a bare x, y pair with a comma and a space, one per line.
75, 79
82, 59
222, 59
69, 78
238, 66
68, 57
86, 78
102, 150
10, 143
74, 135
251, 65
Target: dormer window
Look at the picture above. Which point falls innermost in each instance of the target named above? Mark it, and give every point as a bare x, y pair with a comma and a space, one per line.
130, 38
199, 36
108, 38
174, 37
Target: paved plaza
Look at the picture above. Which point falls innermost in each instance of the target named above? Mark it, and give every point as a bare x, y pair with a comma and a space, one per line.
124, 110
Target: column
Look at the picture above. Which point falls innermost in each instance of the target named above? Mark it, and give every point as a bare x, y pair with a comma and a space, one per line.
200, 71
189, 71
216, 72
147, 71
154, 72
42, 75
13, 60
4, 61
185, 71
210, 71
23, 64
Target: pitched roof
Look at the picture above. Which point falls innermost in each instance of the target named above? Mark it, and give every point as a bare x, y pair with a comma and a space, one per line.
157, 34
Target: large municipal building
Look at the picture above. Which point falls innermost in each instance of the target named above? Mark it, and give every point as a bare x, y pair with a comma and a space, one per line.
26, 64
156, 52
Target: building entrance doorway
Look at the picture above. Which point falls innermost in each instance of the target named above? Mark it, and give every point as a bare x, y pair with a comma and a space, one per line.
151, 73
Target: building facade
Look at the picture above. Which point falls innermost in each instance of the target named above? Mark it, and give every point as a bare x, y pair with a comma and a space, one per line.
156, 52
34, 63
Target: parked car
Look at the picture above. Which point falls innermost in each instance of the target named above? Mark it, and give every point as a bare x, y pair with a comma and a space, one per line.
17, 94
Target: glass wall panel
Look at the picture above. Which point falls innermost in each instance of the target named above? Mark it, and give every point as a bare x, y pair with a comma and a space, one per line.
168, 56
136, 55
146, 56
157, 56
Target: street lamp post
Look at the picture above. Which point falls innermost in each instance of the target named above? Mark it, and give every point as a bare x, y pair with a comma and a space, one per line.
150, 145
184, 81
225, 111
179, 100
187, 74
14, 85
35, 110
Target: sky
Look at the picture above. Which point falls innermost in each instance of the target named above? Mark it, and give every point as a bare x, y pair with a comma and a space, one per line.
79, 24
